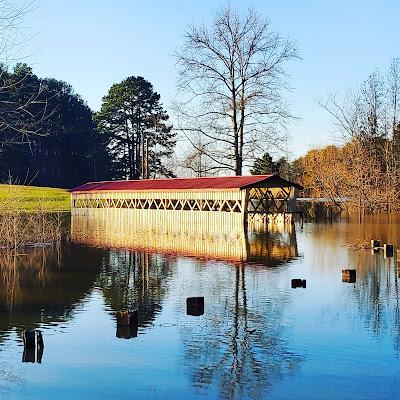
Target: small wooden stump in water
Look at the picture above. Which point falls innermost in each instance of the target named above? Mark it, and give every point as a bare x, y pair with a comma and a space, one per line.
127, 324
349, 275
299, 283
127, 318
388, 250
375, 245
32, 338
33, 346
126, 332
195, 306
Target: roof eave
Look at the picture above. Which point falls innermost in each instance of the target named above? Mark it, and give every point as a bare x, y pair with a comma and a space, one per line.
266, 179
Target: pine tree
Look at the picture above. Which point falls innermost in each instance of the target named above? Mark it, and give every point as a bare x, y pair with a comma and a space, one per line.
140, 138
52, 141
263, 165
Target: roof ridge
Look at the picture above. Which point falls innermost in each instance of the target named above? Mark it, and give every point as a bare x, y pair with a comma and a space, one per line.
184, 183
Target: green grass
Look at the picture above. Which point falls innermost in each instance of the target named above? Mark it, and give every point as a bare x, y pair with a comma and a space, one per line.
32, 198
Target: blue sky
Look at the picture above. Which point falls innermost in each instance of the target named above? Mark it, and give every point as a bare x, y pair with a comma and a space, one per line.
92, 44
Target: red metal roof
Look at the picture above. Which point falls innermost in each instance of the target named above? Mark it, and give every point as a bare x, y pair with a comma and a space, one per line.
223, 182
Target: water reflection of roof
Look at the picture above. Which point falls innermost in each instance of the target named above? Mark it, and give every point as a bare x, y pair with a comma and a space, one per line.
205, 183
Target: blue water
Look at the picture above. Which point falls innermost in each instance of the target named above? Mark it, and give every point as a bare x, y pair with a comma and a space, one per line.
258, 337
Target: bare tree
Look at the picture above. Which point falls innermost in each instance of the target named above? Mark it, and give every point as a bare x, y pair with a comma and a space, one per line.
360, 114
367, 118
231, 79
197, 161
11, 19
393, 83
20, 117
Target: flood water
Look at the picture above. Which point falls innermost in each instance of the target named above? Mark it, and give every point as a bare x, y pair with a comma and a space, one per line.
258, 338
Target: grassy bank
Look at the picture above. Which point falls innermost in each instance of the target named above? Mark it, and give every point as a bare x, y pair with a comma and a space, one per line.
33, 198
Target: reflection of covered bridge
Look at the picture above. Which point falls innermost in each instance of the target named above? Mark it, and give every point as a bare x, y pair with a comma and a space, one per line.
220, 203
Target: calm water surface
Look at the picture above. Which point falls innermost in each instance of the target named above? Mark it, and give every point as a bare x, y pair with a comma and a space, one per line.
258, 337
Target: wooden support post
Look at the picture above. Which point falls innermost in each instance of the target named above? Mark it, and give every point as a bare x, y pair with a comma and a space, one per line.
245, 196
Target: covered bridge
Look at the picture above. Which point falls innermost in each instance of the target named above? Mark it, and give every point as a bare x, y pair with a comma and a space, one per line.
187, 202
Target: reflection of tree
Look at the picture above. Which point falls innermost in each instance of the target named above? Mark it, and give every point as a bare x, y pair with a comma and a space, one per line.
135, 280
240, 348
377, 295
271, 247
44, 284
23, 270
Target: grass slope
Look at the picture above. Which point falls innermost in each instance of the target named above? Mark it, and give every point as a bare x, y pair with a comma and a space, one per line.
31, 198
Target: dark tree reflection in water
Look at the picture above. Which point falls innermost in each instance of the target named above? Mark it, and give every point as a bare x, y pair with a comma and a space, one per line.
136, 281
272, 247
258, 337
240, 347
377, 294
374, 299
43, 285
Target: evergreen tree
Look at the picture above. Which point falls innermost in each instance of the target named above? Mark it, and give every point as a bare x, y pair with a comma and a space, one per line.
62, 148
136, 124
263, 165
266, 166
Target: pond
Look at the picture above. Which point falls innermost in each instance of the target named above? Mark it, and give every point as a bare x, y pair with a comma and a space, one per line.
257, 338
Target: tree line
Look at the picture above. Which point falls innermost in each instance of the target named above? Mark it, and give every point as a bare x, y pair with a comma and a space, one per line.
362, 174
230, 108
50, 137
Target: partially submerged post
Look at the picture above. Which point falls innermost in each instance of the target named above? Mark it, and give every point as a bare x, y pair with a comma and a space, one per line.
195, 306
127, 318
375, 244
388, 250
299, 283
33, 346
127, 324
349, 275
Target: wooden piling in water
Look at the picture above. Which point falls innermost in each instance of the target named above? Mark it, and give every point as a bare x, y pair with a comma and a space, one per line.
349, 275
127, 318
375, 243
298, 283
33, 346
388, 250
195, 306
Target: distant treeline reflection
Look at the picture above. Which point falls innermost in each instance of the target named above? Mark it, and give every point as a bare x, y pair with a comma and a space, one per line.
44, 285
241, 345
